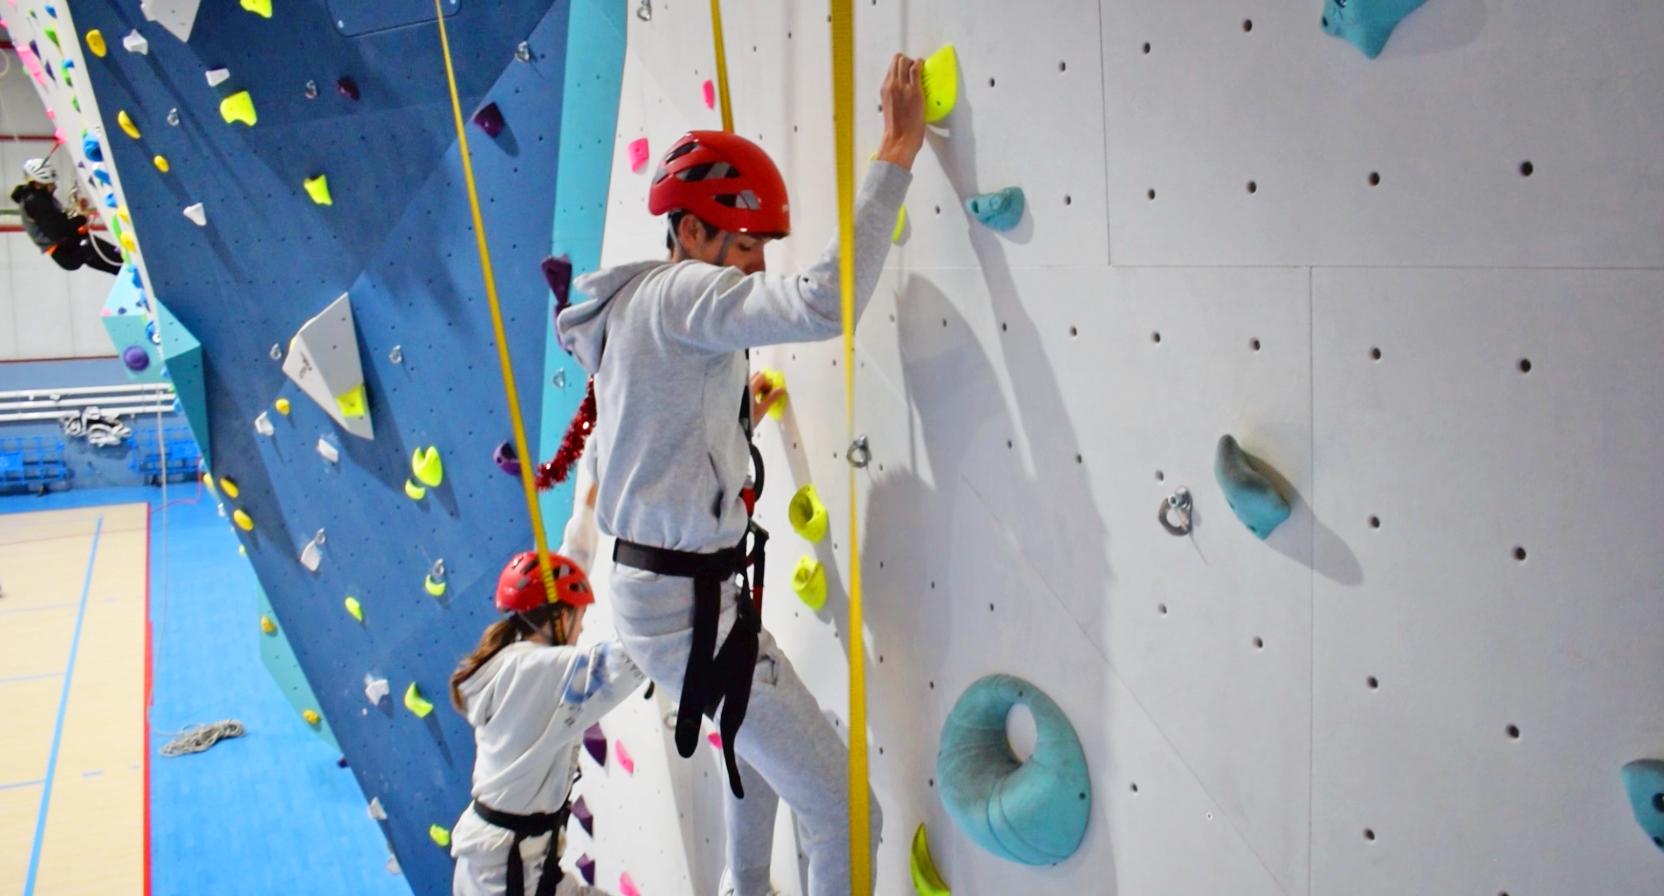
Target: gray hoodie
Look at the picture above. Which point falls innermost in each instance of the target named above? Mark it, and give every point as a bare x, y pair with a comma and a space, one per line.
665, 343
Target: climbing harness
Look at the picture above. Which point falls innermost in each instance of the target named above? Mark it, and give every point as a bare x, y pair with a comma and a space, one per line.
524, 827
510, 393
717, 677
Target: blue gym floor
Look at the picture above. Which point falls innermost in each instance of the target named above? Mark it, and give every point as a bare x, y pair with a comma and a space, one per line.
267, 813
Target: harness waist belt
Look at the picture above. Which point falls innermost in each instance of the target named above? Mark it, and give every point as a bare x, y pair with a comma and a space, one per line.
713, 678
526, 826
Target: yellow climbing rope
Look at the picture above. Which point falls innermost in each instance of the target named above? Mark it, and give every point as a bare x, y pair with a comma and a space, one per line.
843, 125
721, 66
511, 394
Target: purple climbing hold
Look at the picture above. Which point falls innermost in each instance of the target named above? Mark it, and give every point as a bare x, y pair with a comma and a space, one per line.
595, 741
586, 818
347, 87
509, 462
586, 867
135, 358
558, 273
490, 120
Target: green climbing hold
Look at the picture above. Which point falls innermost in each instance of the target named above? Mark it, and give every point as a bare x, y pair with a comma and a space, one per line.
427, 467
809, 582
414, 702
807, 514
261, 8
318, 189
939, 81
239, 107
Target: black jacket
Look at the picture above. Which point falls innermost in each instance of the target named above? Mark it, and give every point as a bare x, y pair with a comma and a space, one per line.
43, 219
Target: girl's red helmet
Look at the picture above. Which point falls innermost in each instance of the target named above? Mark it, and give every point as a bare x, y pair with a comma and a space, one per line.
520, 587
724, 179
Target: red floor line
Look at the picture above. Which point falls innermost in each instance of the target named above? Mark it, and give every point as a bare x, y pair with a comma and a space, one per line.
149, 654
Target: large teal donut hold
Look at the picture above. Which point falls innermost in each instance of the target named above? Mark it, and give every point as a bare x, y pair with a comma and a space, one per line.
1031, 812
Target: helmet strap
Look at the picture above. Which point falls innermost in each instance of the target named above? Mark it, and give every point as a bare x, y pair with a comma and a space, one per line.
722, 254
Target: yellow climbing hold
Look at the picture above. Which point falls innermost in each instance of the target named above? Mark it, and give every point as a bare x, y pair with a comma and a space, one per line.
940, 82
228, 485
776, 383
128, 243
351, 402
807, 514
311, 716
809, 581
238, 107
243, 520
267, 625
354, 608
441, 835
927, 881
282, 405
901, 224
434, 587
161, 163
318, 189
127, 125
425, 463
413, 701
95, 43
261, 8
413, 491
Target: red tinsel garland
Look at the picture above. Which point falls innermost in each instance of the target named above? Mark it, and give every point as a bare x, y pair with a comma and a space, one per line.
555, 470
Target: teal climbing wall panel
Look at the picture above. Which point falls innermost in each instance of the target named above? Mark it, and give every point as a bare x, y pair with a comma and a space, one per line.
278, 656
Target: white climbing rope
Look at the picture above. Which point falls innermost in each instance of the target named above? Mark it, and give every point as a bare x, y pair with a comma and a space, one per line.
196, 738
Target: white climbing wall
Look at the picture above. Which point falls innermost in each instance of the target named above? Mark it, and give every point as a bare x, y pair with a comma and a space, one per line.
1427, 679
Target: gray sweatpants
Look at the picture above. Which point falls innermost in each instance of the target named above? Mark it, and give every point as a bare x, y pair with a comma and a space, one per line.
786, 748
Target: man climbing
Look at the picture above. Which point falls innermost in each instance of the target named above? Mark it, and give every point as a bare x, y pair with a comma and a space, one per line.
665, 344
62, 236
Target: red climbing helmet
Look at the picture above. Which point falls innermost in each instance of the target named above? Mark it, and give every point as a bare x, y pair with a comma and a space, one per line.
724, 179
520, 587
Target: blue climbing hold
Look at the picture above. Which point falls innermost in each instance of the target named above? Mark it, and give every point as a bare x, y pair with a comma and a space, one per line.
101, 175
1366, 24
91, 149
1644, 780
997, 211
1033, 812
1252, 495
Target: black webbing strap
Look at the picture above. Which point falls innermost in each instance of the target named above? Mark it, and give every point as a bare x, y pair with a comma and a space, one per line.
712, 677
526, 826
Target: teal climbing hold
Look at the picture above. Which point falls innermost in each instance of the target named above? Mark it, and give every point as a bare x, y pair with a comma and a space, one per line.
124, 320
1252, 495
183, 355
1034, 811
997, 211
1644, 780
1366, 24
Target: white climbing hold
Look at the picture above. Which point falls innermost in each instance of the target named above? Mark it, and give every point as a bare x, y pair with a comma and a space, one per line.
393, 865
263, 425
310, 555
197, 215
375, 810
134, 42
218, 76
329, 452
376, 689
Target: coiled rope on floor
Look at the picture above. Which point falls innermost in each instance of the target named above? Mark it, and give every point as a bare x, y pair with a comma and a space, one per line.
196, 738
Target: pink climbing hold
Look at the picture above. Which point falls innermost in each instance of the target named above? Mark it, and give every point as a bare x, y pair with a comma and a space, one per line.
638, 153
715, 739
710, 95
626, 886
624, 760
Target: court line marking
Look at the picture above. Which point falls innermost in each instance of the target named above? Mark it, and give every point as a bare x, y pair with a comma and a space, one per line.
30, 677
16, 784
38, 607
58, 727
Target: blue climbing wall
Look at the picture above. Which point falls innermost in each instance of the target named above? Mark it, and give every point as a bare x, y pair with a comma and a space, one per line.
398, 240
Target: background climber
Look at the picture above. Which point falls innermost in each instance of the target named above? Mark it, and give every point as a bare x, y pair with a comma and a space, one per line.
529, 693
665, 341
60, 235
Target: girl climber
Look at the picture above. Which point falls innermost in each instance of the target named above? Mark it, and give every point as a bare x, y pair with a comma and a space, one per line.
530, 693
664, 342
64, 238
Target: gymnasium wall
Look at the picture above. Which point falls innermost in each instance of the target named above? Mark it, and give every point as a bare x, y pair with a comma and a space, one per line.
1424, 288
